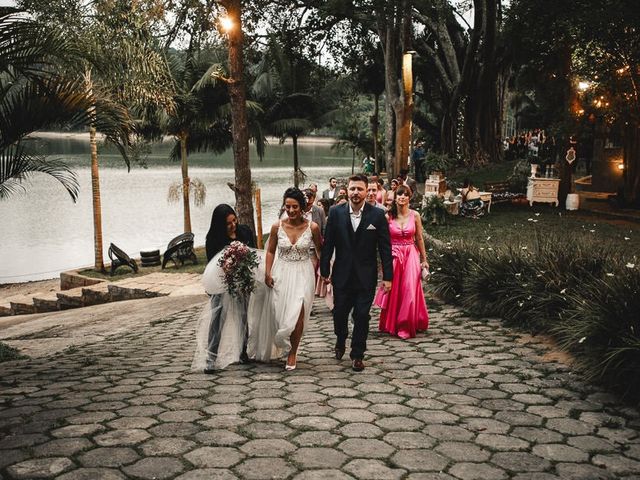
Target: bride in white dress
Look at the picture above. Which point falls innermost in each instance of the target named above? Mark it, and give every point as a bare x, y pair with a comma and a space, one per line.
290, 272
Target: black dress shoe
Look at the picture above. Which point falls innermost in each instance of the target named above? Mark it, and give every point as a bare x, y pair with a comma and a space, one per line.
357, 365
339, 349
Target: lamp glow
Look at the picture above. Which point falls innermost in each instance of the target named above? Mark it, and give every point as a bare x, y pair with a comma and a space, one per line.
582, 86
621, 166
226, 23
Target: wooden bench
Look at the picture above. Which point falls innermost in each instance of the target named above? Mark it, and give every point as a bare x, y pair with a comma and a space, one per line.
498, 191
180, 249
119, 259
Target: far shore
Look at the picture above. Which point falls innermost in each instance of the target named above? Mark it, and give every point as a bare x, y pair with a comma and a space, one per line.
85, 136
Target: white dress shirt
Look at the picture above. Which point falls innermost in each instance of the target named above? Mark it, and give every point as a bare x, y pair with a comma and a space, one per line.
355, 217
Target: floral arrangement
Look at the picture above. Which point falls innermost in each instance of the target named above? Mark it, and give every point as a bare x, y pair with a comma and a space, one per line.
237, 263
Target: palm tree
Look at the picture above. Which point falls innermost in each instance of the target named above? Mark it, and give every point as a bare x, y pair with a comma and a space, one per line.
199, 121
34, 95
293, 108
31, 97
122, 66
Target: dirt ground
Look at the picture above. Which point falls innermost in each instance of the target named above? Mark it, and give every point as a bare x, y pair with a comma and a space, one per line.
26, 288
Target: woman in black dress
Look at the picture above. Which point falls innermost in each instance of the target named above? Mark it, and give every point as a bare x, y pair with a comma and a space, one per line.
222, 333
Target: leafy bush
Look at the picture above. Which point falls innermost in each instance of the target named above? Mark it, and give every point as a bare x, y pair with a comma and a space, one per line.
8, 353
437, 162
433, 210
602, 327
519, 178
584, 293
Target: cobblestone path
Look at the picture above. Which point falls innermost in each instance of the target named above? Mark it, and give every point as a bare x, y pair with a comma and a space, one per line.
469, 400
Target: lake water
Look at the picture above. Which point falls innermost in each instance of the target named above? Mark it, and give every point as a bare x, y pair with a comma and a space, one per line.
44, 232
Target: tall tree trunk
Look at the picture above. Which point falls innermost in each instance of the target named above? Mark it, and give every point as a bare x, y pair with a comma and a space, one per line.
97, 208
186, 181
243, 190
296, 164
390, 138
95, 183
375, 123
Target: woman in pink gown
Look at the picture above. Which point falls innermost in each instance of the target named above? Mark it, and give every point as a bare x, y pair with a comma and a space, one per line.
404, 310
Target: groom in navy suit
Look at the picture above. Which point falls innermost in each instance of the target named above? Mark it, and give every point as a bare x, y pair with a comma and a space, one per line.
355, 230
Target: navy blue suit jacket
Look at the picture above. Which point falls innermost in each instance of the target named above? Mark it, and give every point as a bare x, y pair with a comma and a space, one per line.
356, 251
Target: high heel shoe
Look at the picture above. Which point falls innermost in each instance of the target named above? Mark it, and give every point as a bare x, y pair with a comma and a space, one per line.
288, 367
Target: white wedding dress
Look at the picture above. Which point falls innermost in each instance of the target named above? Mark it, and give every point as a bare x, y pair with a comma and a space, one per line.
270, 315
294, 286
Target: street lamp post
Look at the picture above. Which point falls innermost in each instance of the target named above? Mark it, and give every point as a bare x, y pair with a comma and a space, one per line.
404, 130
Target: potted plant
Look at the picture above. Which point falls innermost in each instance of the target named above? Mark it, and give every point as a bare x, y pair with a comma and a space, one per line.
436, 164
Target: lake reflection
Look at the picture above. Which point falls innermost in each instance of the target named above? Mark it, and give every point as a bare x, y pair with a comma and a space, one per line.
44, 232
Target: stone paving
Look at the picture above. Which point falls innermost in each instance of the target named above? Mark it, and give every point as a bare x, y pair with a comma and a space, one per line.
468, 400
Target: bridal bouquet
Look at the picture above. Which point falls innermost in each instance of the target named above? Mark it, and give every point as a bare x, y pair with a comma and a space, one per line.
237, 263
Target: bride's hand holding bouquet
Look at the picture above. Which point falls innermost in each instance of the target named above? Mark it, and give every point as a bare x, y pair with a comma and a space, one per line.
238, 263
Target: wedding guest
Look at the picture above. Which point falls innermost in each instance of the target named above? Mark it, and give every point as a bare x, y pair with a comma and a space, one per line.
312, 211
389, 201
382, 192
356, 232
332, 192
340, 200
222, 330
291, 273
404, 310
405, 179
471, 206
224, 229
372, 194
325, 204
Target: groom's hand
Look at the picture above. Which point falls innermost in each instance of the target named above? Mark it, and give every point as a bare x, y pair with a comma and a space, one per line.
326, 280
387, 285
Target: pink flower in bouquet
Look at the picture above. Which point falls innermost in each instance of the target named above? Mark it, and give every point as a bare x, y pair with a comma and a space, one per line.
238, 262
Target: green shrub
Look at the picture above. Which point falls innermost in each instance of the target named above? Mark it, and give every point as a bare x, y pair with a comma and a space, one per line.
433, 210
602, 327
437, 162
8, 353
585, 293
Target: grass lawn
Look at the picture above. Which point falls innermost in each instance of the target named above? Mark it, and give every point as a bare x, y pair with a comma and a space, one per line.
495, 172
125, 272
521, 225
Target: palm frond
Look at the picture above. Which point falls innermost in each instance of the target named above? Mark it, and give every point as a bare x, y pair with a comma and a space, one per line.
28, 48
28, 107
16, 166
211, 78
290, 126
257, 136
263, 86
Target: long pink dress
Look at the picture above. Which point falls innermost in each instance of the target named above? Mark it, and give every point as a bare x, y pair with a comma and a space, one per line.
404, 310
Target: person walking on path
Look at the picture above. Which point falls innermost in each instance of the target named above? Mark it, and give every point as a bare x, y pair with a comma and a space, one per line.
404, 310
221, 336
290, 272
355, 231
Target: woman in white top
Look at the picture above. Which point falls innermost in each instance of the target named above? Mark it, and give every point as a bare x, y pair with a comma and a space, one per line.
290, 272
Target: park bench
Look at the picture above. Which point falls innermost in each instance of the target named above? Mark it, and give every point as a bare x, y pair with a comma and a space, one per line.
119, 259
499, 192
180, 249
